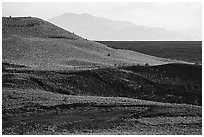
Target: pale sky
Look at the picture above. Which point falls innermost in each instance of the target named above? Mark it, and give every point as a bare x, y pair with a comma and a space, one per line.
170, 16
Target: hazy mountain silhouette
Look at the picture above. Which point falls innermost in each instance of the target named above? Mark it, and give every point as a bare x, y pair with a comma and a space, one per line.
196, 32
97, 28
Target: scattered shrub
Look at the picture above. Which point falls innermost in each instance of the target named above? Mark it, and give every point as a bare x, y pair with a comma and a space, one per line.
146, 64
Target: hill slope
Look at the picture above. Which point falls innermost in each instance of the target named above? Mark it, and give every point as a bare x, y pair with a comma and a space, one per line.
174, 83
40, 44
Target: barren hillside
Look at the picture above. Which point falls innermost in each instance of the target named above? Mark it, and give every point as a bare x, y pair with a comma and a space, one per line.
40, 44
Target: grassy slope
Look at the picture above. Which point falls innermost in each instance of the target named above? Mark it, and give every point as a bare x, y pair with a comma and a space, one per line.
190, 51
40, 44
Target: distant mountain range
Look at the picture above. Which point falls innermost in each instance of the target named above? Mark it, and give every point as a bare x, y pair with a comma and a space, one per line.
97, 28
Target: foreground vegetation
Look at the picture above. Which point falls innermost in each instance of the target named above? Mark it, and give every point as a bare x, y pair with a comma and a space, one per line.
60, 114
102, 101
175, 83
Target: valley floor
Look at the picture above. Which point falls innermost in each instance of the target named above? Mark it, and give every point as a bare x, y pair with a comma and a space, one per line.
190, 51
